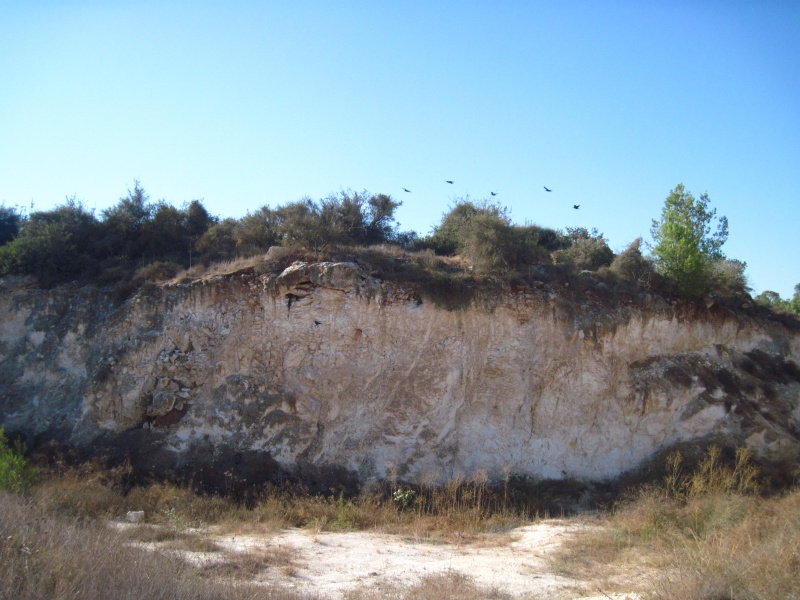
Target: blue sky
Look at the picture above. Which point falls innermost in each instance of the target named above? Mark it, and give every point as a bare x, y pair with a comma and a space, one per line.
242, 104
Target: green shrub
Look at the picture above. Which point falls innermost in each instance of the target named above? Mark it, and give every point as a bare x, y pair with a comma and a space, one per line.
15, 473
586, 251
482, 232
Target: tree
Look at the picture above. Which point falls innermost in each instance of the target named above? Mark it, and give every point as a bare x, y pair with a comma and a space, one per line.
380, 218
256, 232
774, 301
794, 303
198, 219
218, 242
685, 248
631, 266
10, 220
123, 223
53, 245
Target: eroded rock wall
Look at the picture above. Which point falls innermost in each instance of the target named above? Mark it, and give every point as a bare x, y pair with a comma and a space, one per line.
327, 366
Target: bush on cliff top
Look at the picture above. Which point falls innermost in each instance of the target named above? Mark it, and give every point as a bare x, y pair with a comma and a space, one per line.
70, 242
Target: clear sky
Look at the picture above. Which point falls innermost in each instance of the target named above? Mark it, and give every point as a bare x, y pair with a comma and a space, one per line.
242, 104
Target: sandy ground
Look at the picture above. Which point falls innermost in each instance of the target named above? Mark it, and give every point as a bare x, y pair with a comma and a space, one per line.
332, 563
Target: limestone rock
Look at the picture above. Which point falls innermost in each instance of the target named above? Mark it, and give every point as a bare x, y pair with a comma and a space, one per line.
325, 367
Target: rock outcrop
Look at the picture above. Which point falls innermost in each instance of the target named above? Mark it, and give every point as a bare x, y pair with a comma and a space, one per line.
325, 366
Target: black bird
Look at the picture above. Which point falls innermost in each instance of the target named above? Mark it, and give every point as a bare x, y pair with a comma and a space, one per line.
405, 190
448, 181
493, 193
547, 189
576, 206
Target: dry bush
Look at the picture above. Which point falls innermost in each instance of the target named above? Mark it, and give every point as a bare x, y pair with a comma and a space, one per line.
180, 506
275, 260
158, 271
223, 267
79, 494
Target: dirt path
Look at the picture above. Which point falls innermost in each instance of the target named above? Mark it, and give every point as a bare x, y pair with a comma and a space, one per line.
331, 564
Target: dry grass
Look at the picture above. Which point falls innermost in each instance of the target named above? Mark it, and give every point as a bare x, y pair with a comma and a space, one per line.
445, 281
443, 586
706, 535
168, 538
249, 565
43, 556
733, 548
460, 511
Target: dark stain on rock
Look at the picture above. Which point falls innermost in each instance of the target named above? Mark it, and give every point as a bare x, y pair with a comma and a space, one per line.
678, 375
768, 368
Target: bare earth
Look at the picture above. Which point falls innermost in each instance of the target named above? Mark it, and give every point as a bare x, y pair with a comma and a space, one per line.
331, 564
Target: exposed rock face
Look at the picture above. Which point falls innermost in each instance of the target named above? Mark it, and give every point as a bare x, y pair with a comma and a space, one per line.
327, 366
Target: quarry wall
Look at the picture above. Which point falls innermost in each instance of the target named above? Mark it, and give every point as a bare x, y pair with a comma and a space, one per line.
326, 366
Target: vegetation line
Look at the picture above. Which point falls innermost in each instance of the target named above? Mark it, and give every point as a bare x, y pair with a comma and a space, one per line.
141, 240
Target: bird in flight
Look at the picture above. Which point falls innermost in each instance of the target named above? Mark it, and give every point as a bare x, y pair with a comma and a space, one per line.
448, 181
547, 189
406, 190
493, 193
576, 206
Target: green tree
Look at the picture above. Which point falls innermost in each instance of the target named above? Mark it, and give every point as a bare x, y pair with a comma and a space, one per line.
53, 245
256, 232
10, 220
198, 219
380, 218
774, 301
218, 242
124, 222
685, 247
794, 303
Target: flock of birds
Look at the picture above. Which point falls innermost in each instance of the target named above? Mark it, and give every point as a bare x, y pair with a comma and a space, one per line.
546, 189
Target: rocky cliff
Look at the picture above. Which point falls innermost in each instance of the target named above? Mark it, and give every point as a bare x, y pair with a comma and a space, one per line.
325, 366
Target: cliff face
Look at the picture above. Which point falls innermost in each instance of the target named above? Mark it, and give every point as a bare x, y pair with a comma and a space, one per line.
325, 366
